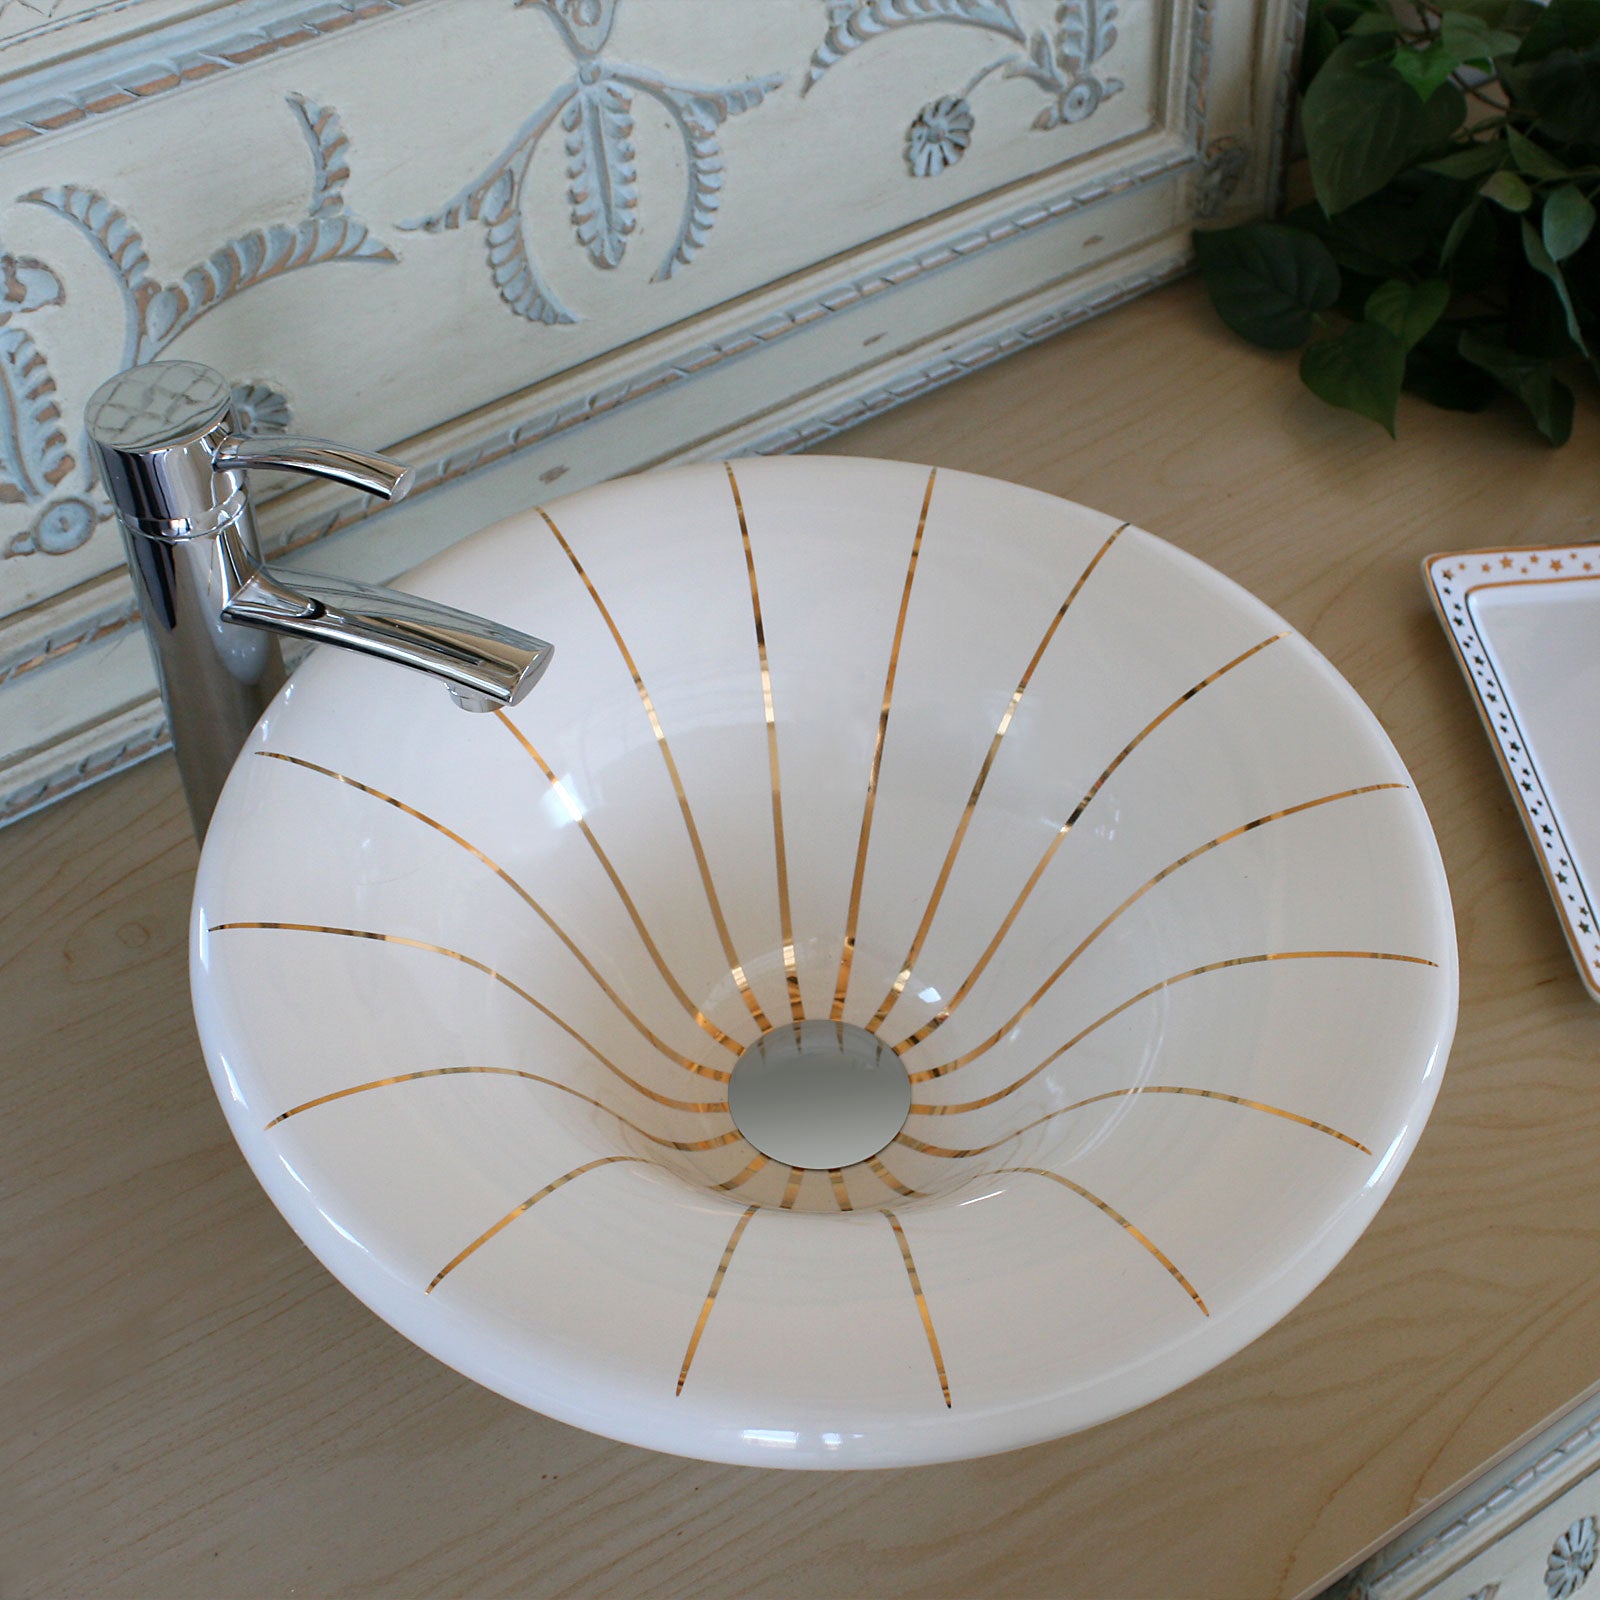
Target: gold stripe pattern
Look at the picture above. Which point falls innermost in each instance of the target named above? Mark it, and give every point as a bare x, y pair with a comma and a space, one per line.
1117, 1094
920, 1109
517, 1211
744, 1174
735, 967
500, 978
701, 1020
715, 1143
785, 919
1066, 827
904, 975
791, 1190
841, 1194
1143, 889
711, 1293
505, 877
1121, 1221
841, 986
889, 1181
922, 1304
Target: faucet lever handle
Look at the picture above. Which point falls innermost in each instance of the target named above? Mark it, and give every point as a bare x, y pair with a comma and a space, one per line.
317, 458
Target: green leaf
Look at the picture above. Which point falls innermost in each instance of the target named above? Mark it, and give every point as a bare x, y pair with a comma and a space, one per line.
1567, 222
1539, 259
1492, 12
1360, 369
1458, 231
1532, 159
1468, 38
1574, 24
1364, 123
1531, 379
1268, 281
1321, 40
1506, 189
1563, 92
1372, 22
1436, 372
1426, 68
1408, 310
1472, 162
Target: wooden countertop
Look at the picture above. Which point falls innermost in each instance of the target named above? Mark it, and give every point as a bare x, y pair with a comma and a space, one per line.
193, 1407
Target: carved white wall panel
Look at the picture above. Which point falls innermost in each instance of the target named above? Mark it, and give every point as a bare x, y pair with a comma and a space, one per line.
1528, 1528
558, 239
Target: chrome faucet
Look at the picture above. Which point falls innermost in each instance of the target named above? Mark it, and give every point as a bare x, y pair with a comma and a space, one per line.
175, 470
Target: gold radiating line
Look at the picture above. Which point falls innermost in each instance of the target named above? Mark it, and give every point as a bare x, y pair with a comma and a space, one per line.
701, 1020
512, 1215
744, 1174
1116, 1094
1120, 1220
715, 1143
506, 878
1061, 834
889, 1181
1150, 883
924, 1110
841, 985
500, 978
711, 1293
785, 920
791, 1190
735, 967
840, 1193
922, 1304
929, 913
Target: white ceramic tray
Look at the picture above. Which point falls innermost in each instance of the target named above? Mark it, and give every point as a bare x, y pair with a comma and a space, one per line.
1525, 624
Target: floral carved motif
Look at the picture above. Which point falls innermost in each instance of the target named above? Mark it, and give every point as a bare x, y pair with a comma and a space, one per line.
34, 459
1063, 62
1571, 1559
594, 109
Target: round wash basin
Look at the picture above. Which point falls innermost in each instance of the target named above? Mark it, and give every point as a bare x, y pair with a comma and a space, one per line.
931, 968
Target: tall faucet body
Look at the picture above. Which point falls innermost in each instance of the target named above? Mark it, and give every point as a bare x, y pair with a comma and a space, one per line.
175, 468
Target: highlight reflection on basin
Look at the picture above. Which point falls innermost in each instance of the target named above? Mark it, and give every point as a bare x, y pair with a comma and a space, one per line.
1106, 865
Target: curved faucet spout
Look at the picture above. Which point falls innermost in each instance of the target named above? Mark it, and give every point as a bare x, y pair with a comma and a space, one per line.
177, 474
483, 664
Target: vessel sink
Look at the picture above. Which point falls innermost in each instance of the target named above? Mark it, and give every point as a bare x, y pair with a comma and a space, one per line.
931, 968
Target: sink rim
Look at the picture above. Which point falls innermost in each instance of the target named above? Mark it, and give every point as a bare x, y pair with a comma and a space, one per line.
463, 1346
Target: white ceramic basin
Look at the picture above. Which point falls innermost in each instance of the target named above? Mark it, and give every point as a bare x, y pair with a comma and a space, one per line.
1127, 881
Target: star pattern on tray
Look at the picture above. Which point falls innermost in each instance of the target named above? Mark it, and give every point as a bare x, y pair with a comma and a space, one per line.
1452, 585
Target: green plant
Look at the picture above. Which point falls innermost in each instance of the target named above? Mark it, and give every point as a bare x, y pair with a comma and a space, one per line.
1454, 152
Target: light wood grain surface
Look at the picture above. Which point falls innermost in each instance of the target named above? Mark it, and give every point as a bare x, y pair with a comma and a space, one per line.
191, 1406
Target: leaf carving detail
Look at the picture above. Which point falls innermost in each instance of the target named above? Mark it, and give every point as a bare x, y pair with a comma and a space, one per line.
1085, 31
250, 259
26, 284
510, 265
33, 447
602, 178
852, 27
329, 144
107, 228
699, 110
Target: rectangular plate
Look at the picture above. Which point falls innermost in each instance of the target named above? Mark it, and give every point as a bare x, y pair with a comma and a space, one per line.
1525, 624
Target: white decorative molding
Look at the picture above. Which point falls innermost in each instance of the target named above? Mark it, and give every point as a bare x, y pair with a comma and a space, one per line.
1525, 1529
134, 733
928, 243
